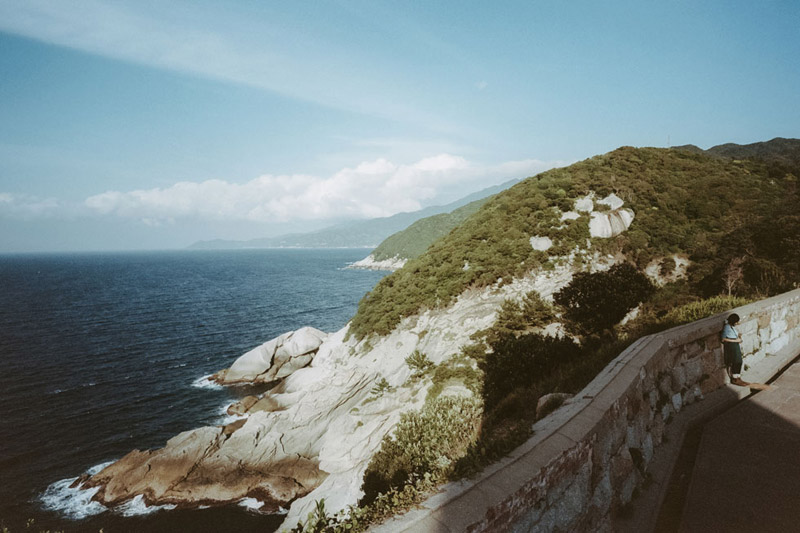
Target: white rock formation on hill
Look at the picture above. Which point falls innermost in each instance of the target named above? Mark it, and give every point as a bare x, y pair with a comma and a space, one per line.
275, 359
370, 263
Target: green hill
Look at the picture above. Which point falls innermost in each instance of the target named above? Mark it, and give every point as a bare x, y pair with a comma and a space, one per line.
415, 239
702, 204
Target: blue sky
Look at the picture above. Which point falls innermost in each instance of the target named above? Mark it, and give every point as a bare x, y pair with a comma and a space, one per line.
150, 124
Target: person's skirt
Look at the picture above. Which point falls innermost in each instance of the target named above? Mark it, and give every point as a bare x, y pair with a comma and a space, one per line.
733, 355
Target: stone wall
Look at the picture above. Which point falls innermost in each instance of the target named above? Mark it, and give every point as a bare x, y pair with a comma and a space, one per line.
587, 460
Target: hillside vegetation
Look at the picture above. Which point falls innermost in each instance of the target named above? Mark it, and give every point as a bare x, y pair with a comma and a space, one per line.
711, 208
414, 240
734, 218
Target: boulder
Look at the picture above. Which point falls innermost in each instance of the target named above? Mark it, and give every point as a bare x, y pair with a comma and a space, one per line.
275, 359
550, 402
611, 223
541, 243
212, 465
242, 406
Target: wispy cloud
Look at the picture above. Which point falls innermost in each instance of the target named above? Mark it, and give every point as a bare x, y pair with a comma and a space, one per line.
371, 189
172, 36
28, 207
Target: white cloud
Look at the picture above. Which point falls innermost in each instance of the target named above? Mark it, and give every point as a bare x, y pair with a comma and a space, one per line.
481, 85
25, 206
369, 190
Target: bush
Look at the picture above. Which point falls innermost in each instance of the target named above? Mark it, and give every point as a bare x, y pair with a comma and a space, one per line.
594, 302
517, 318
419, 363
457, 369
427, 441
701, 309
519, 362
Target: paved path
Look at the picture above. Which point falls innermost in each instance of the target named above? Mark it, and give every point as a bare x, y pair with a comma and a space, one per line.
747, 472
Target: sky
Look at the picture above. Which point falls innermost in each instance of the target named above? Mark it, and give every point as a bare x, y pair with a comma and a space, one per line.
143, 124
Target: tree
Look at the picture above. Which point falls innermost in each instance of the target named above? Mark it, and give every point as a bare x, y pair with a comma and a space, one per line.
594, 302
733, 274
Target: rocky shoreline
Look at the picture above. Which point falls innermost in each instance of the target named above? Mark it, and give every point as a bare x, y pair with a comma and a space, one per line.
313, 434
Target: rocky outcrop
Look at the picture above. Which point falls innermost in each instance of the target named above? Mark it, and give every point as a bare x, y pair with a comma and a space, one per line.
275, 359
212, 465
313, 435
610, 224
667, 270
370, 263
541, 243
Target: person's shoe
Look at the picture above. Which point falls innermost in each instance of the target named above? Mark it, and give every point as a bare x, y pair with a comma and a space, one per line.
739, 382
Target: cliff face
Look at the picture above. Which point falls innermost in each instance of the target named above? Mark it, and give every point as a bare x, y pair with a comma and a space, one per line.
313, 435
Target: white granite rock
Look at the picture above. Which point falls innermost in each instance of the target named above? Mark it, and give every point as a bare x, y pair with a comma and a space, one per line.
585, 204
541, 243
370, 263
612, 200
611, 223
275, 359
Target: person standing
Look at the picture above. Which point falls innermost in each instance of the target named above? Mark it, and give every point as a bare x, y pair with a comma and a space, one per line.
732, 346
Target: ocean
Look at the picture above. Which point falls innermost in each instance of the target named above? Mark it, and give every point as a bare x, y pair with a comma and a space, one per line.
103, 353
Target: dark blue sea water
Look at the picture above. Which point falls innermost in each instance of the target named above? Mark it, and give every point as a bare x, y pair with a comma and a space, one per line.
103, 353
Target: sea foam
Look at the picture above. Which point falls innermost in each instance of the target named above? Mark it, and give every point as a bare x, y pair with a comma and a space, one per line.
224, 418
204, 382
137, 507
73, 502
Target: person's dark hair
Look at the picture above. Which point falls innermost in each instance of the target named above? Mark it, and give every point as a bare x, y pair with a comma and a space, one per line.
733, 319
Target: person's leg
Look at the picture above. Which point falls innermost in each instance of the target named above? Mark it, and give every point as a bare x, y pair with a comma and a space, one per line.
736, 369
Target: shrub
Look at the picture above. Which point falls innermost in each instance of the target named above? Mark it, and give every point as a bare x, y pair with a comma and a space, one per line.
380, 388
701, 309
427, 441
419, 363
457, 369
594, 302
517, 318
519, 362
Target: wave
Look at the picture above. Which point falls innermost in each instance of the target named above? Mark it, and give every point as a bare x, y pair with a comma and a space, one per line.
205, 382
137, 507
81, 386
251, 504
73, 502
255, 505
223, 418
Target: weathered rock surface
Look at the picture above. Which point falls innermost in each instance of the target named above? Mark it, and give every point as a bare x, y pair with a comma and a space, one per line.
657, 274
275, 359
610, 224
207, 466
541, 243
550, 402
370, 263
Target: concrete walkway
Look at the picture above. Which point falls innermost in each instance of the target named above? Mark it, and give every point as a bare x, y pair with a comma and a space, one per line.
747, 471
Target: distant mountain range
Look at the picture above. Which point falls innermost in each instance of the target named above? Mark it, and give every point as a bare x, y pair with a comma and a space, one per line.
356, 234
778, 150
